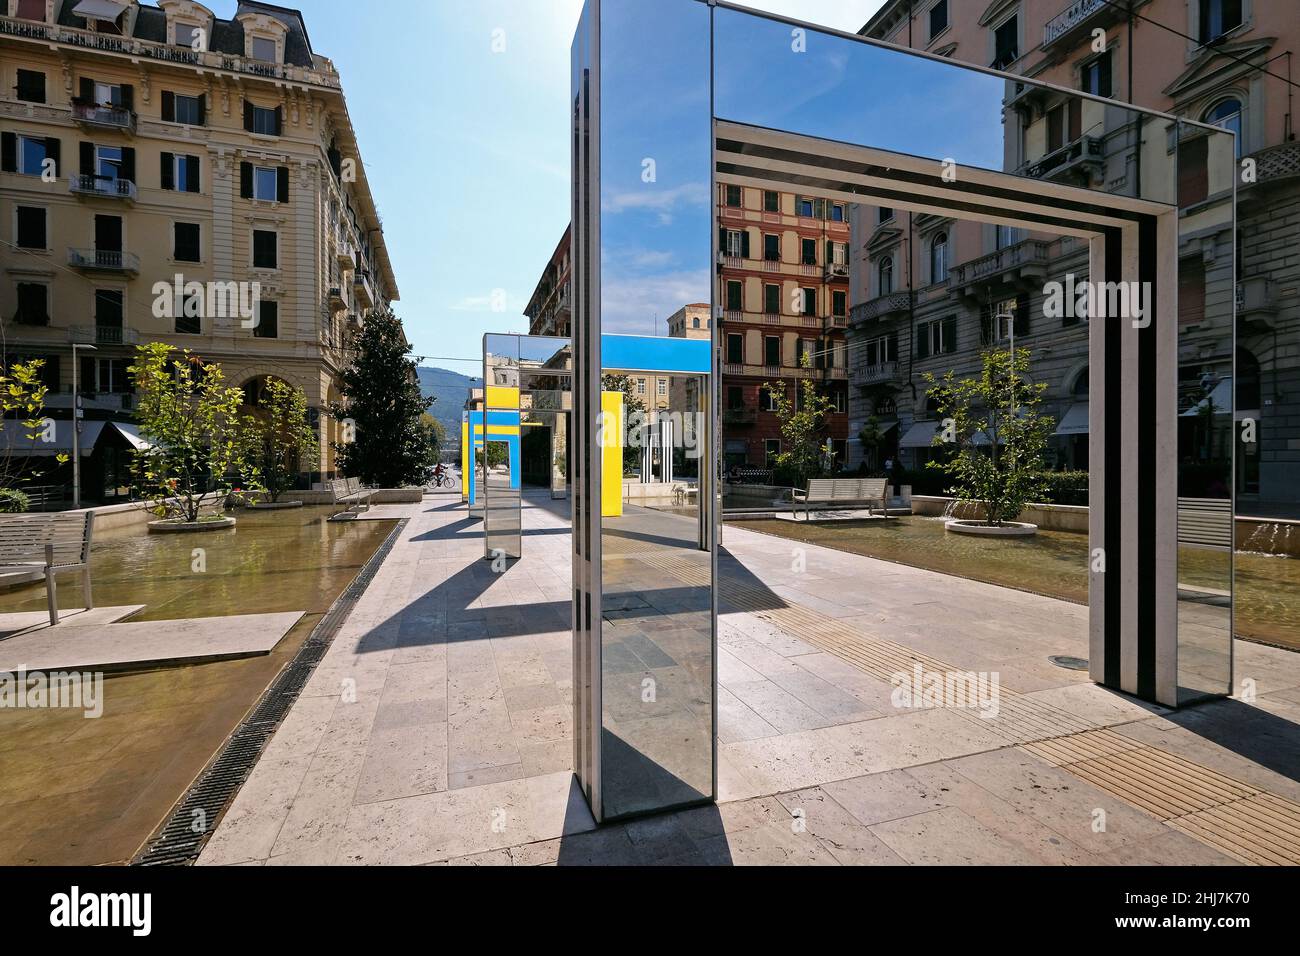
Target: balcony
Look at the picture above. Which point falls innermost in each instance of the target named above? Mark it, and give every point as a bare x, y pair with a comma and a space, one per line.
1069, 25
740, 416
102, 335
337, 301
1075, 163
837, 374
43, 34
1257, 304
839, 322
881, 307
362, 291
836, 272
885, 373
101, 187
1277, 162
102, 260
346, 256
1024, 265
93, 116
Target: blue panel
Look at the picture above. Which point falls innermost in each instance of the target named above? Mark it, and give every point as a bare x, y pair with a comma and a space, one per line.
643, 353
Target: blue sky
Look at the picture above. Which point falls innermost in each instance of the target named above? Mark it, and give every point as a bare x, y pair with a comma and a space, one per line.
466, 146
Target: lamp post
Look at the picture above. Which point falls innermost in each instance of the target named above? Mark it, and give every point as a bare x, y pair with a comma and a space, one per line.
76, 427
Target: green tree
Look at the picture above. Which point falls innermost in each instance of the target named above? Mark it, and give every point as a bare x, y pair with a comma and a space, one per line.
631, 404
435, 434
999, 434
22, 402
280, 436
803, 426
198, 438
389, 447
871, 438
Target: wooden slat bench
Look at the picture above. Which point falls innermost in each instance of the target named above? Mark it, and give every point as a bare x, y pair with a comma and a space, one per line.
36, 546
844, 491
1205, 522
348, 491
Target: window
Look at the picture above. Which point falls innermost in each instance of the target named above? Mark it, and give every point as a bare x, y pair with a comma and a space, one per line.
32, 153
772, 351
106, 94
186, 242
808, 303
1006, 44
938, 337
803, 347
837, 213
31, 86
735, 397
808, 251
695, 323
1005, 236
735, 348
268, 320
108, 308
185, 174
33, 304
188, 110
189, 314
805, 208
881, 350
265, 183
772, 248
640, 386
108, 163
771, 448
1219, 17
185, 35
839, 303
661, 388
885, 276
772, 300
771, 201
1193, 171
1097, 76
32, 232
769, 397
733, 196
266, 249
885, 214
30, 10
264, 48
259, 119
735, 243
939, 258
1227, 115
938, 18
735, 297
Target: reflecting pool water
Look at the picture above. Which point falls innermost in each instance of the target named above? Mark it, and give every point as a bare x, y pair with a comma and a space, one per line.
1054, 563
78, 792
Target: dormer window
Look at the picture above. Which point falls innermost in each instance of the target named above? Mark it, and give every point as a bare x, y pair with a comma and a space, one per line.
187, 33
264, 48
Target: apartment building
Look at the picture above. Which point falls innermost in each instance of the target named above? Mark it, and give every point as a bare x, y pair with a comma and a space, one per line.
148, 148
922, 285
783, 291
550, 310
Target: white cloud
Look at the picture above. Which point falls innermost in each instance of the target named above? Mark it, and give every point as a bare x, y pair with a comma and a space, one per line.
631, 304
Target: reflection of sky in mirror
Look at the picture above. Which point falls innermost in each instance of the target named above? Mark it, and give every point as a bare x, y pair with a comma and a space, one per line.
656, 235
846, 90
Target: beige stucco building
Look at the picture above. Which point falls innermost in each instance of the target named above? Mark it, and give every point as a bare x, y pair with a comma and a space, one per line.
150, 145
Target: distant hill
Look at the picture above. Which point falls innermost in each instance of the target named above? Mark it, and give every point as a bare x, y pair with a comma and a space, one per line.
450, 389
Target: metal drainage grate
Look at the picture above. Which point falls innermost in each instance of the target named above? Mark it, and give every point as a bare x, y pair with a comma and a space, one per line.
179, 841
1070, 663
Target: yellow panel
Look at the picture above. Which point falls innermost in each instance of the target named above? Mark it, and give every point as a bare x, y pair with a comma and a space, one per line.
503, 429
499, 396
465, 461
611, 465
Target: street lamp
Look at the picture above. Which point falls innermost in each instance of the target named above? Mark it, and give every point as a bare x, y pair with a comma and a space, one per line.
76, 428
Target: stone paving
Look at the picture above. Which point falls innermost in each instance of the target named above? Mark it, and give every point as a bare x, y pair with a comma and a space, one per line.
438, 728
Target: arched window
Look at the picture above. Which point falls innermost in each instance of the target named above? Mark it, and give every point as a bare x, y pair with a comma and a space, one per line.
886, 276
1249, 383
695, 323
1226, 114
939, 258
1080, 390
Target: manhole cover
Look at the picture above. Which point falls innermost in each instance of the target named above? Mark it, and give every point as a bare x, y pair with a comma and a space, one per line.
1070, 663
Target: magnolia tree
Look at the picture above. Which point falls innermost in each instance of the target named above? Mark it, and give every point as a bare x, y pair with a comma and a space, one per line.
997, 434
22, 410
279, 436
198, 439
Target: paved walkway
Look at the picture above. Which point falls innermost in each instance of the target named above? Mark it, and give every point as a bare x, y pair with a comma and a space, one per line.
437, 729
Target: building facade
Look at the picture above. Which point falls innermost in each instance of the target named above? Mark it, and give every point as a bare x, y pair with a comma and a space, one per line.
550, 310
1219, 62
149, 148
783, 294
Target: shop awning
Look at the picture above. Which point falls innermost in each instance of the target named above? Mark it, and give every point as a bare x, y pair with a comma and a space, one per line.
920, 435
100, 9
1221, 398
1075, 421
17, 442
132, 435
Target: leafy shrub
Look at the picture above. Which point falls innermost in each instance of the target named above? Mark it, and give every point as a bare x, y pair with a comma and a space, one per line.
13, 501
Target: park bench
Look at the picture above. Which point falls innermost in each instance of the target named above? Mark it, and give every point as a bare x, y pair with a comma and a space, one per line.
1205, 522
844, 491
348, 492
36, 546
